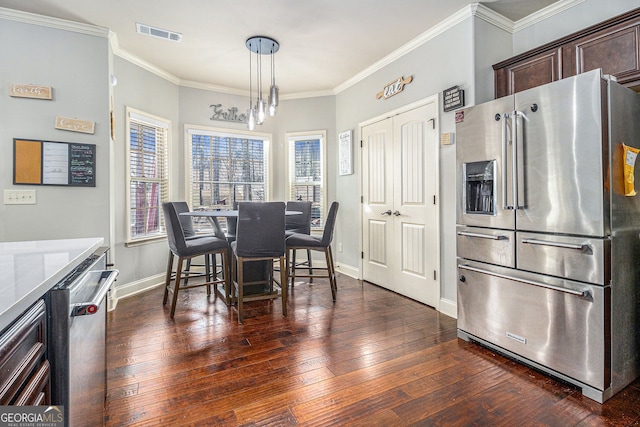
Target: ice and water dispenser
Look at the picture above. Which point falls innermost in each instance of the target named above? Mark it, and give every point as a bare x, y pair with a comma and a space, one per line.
480, 188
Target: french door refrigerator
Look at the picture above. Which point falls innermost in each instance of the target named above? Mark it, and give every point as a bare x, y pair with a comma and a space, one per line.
548, 243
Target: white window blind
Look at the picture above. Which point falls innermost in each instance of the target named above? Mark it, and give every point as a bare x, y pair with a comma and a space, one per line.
148, 175
306, 177
226, 168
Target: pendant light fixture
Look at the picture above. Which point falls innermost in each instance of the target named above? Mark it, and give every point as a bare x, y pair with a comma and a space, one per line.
261, 45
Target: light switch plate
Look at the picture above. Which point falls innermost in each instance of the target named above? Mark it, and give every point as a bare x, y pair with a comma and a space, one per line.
19, 197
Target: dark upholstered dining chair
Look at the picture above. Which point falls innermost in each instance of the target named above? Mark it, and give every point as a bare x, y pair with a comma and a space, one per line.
232, 225
316, 243
259, 239
186, 249
299, 224
189, 233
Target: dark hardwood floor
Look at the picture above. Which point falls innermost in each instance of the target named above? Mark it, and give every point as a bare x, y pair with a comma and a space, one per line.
373, 358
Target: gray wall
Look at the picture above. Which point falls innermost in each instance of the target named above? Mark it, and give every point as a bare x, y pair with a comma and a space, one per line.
78, 65
582, 15
75, 65
444, 61
140, 89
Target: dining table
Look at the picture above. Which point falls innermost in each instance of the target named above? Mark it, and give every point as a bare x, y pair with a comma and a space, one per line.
252, 271
213, 215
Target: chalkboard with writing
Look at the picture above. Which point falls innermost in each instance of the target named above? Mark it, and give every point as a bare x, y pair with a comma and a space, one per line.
82, 165
54, 163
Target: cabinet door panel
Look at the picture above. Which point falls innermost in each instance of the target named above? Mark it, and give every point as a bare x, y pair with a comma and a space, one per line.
615, 50
535, 71
22, 354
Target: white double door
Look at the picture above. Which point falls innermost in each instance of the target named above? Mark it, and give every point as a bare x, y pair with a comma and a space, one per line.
400, 214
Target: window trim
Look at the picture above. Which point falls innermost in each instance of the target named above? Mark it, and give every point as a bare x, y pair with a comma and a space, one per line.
290, 138
157, 121
190, 129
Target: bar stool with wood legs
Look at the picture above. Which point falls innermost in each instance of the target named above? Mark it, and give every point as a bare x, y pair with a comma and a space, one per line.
316, 243
259, 240
186, 249
186, 222
299, 224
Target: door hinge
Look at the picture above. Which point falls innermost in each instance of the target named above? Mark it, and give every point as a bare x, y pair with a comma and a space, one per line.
434, 275
361, 199
360, 143
434, 199
361, 255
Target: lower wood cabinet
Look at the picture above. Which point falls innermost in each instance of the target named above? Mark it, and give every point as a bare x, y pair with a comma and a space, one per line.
24, 370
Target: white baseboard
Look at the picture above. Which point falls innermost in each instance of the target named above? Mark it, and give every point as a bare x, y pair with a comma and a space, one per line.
133, 288
448, 307
348, 270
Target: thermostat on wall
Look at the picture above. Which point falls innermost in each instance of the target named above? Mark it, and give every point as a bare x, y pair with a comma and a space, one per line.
447, 138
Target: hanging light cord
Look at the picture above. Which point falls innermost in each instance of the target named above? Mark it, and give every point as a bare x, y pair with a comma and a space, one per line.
250, 80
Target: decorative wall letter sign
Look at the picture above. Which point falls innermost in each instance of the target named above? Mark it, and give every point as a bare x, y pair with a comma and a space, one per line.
29, 91
74, 125
394, 88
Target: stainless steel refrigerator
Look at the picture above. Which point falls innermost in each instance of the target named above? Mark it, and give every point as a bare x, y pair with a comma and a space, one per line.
548, 242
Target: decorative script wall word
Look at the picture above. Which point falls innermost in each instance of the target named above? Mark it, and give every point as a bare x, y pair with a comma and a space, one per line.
29, 91
74, 125
394, 88
231, 115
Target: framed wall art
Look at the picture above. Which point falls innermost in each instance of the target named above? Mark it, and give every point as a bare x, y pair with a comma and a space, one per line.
345, 153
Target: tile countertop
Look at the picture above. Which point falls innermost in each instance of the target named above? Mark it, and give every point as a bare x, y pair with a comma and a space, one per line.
29, 269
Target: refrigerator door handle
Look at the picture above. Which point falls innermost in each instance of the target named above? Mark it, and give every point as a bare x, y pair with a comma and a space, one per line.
580, 247
582, 294
482, 236
514, 160
505, 204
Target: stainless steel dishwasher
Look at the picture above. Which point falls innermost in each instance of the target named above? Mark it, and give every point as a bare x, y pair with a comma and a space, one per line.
77, 333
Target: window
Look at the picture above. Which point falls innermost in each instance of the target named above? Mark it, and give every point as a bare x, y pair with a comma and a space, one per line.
306, 175
147, 175
226, 167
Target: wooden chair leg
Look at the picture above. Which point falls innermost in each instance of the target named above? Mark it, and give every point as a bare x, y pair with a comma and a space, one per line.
284, 284
207, 271
332, 279
167, 280
292, 266
240, 274
176, 285
293, 256
226, 276
310, 265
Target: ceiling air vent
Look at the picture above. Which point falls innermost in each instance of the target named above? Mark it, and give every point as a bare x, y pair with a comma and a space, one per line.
158, 32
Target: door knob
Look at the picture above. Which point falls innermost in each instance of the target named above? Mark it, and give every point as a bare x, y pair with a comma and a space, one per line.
386, 213
396, 213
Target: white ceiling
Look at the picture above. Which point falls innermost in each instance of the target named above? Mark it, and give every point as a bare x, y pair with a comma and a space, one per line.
323, 43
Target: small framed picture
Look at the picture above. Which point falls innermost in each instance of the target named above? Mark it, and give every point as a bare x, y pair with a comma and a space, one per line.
345, 153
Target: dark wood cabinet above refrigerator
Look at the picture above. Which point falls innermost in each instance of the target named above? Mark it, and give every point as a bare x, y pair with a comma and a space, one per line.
613, 45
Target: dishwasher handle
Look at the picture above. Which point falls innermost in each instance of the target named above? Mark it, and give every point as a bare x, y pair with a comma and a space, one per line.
91, 307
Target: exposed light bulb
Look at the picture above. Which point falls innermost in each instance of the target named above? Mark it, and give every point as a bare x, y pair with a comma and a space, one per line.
262, 113
273, 99
251, 119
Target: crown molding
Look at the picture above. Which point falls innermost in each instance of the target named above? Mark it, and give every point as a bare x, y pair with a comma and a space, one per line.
494, 18
47, 21
214, 88
433, 32
136, 60
547, 12
476, 9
